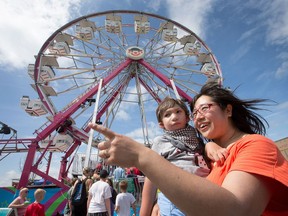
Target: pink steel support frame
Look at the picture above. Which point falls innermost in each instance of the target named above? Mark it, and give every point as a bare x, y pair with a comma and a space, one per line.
59, 119
164, 79
62, 116
153, 94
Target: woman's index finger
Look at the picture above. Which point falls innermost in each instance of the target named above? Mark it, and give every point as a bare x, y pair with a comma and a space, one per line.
103, 130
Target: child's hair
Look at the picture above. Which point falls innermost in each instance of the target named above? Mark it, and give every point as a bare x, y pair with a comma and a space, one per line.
39, 194
123, 185
168, 103
86, 171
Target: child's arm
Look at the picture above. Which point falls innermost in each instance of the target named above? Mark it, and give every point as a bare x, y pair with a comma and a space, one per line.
216, 153
134, 208
117, 208
148, 197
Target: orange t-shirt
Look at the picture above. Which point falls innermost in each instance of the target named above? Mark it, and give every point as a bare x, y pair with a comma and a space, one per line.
258, 155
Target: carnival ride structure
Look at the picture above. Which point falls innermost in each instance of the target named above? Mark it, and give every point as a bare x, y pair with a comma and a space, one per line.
108, 59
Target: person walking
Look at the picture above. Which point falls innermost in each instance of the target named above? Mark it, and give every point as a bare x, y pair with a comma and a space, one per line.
99, 196
118, 175
68, 206
125, 201
114, 194
78, 210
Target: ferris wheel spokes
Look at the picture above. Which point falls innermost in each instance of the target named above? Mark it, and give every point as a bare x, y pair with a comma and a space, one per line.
140, 57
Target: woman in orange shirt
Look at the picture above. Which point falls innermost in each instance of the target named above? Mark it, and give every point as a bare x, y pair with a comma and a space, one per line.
253, 179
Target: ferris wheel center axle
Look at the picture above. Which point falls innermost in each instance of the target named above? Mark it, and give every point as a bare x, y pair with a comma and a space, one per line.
135, 53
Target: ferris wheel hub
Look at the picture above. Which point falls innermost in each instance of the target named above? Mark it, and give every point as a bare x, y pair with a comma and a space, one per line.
135, 53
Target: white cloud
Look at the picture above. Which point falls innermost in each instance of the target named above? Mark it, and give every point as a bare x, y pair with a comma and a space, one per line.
283, 106
153, 131
275, 18
26, 24
282, 71
125, 109
132, 94
265, 76
248, 34
276, 15
240, 52
272, 25
273, 15
191, 14
283, 55
11, 174
155, 4
122, 115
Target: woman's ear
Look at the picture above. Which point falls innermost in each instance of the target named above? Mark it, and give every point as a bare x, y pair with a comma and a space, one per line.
229, 109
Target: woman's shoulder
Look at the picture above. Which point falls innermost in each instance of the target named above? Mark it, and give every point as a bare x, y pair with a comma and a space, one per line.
258, 149
260, 155
255, 146
257, 137
257, 140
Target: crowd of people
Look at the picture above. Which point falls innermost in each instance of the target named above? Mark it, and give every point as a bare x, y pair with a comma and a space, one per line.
105, 192
101, 191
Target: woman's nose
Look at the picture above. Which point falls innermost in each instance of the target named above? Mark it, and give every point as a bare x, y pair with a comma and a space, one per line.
198, 115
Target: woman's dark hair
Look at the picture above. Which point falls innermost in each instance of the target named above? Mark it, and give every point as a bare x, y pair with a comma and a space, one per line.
110, 181
244, 116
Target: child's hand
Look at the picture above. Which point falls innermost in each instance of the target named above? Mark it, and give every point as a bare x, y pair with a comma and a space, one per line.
216, 153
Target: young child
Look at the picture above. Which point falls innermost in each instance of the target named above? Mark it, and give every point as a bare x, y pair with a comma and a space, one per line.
36, 208
124, 201
181, 146
99, 197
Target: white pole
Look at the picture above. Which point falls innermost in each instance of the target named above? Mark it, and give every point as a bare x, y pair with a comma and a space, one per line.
88, 150
174, 88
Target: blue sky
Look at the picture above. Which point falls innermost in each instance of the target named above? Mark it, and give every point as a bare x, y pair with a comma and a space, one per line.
249, 39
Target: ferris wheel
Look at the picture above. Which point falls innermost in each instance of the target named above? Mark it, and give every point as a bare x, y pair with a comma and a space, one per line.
113, 58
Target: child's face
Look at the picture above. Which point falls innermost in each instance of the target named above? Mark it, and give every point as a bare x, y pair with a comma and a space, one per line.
174, 119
